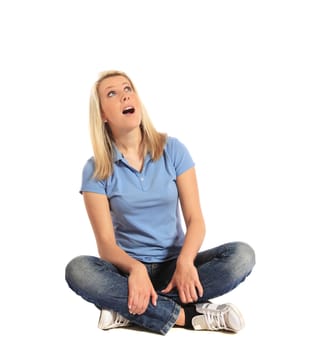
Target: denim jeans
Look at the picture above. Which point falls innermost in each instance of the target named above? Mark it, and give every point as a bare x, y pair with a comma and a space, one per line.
220, 270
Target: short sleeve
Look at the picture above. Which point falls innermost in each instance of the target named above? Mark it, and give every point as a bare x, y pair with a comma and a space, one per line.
89, 183
179, 154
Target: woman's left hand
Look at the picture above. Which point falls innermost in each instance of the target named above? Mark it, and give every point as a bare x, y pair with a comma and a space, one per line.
187, 282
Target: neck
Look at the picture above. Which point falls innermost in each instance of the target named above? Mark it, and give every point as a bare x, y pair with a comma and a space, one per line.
130, 142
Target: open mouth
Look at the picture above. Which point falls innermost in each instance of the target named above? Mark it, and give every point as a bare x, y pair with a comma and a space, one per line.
129, 110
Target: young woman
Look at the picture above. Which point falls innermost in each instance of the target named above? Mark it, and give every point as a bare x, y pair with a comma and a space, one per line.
137, 188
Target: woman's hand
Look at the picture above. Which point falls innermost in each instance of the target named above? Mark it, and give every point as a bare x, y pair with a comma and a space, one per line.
187, 282
140, 291
186, 278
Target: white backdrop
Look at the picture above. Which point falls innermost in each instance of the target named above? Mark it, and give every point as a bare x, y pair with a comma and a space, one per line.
246, 85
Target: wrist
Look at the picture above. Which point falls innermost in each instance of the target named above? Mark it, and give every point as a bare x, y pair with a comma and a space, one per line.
185, 260
136, 266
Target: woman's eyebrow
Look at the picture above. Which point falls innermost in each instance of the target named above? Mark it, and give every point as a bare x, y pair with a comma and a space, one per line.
112, 86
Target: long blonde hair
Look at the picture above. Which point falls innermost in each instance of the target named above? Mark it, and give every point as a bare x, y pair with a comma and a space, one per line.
101, 133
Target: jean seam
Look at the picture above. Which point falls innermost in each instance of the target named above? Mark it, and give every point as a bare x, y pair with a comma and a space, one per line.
172, 320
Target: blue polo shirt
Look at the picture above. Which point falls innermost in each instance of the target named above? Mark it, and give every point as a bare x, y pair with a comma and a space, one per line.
145, 205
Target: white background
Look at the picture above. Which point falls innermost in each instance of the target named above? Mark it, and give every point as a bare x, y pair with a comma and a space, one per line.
246, 85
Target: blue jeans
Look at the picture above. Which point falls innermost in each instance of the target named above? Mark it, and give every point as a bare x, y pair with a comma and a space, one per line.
220, 270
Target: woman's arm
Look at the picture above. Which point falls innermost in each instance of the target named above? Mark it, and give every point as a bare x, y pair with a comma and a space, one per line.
191, 208
140, 287
97, 207
186, 278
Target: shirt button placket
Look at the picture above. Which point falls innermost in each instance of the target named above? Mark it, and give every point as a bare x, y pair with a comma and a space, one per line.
142, 179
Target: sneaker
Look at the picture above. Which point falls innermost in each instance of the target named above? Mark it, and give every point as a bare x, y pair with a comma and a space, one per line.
218, 317
111, 319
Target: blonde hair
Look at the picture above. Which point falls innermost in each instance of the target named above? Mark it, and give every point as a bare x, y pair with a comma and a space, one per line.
101, 134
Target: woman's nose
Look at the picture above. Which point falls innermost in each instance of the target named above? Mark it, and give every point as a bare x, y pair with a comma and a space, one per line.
125, 97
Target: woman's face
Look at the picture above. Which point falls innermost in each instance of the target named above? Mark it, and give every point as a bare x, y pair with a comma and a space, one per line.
120, 104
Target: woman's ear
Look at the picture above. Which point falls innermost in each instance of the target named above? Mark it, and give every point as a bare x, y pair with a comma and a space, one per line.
103, 117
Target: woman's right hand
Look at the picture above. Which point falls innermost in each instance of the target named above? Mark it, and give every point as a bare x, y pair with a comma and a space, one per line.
140, 290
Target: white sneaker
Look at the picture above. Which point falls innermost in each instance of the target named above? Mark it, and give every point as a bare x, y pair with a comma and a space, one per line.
111, 319
218, 317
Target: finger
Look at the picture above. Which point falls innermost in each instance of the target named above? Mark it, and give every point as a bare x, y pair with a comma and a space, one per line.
130, 303
154, 297
133, 304
199, 289
189, 297
168, 288
143, 305
193, 294
182, 297
132, 308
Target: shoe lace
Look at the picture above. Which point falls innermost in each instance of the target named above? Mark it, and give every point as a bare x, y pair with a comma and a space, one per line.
215, 321
120, 320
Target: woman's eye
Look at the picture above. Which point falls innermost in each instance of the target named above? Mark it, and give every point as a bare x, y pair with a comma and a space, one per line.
111, 93
128, 89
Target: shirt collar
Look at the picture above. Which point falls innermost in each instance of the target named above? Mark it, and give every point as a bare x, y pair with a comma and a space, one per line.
118, 155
